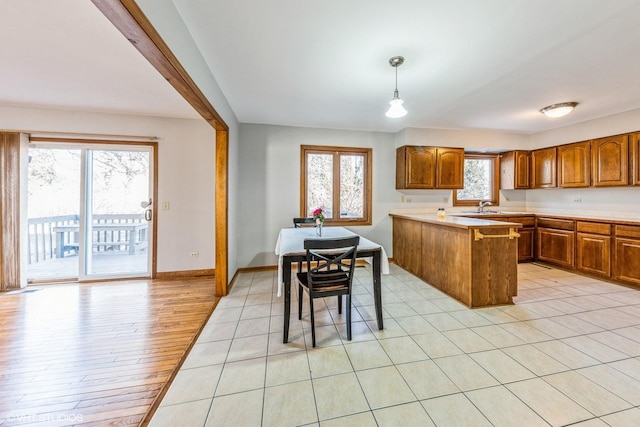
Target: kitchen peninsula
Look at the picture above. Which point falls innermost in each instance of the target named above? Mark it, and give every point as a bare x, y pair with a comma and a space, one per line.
472, 260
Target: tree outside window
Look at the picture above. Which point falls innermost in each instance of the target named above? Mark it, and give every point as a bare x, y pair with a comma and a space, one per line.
338, 180
480, 180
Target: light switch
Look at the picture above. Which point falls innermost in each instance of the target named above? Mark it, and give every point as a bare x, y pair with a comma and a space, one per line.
165, 206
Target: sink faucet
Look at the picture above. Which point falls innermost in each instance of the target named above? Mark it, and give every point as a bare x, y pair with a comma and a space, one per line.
482, 205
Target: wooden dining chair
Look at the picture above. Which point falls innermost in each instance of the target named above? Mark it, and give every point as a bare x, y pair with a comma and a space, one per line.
330, 267
298, 222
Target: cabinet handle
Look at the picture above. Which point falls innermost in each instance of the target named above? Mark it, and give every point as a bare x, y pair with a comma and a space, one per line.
477, 235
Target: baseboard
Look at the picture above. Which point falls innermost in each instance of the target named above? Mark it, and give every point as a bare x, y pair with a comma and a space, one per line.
186, 274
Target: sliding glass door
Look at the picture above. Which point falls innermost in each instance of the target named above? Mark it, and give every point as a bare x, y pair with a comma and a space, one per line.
94, 207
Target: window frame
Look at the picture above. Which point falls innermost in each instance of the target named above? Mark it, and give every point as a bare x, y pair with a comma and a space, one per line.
495, 185
336, 152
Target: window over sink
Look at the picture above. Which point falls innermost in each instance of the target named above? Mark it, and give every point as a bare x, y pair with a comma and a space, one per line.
480, 180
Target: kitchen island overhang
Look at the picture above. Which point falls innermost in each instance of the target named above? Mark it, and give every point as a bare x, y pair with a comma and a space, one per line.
472, 260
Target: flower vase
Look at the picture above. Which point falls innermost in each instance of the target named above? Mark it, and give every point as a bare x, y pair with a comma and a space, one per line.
319, 228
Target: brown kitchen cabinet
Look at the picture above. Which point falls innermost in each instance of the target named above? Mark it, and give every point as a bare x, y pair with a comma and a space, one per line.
610, 161
450, 168
515, 170
634, 160
593, 248
626, 254
555, 241
429, 167
543, 168
573, 165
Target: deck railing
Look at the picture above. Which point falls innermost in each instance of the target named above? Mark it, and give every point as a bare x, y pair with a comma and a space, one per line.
46, 243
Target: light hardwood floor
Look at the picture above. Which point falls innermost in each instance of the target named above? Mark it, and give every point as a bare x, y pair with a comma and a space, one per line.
95, 354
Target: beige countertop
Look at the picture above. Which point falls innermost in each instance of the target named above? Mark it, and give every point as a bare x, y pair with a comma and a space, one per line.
456, 221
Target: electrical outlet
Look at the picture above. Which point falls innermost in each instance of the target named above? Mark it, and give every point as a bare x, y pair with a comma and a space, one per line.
402, 199
193, 254
408, 200
577, 200
165, 206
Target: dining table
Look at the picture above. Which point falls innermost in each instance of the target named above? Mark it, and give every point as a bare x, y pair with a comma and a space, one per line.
290, 249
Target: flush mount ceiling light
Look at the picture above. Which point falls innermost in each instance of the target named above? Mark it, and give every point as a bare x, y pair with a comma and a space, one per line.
396, 110
558, 110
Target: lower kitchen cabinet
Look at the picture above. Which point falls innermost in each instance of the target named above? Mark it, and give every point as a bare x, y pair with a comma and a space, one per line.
626, 255
525, 244
555, 241
593, 248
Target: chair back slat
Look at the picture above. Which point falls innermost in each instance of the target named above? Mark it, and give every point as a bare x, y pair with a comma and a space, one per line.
330, 262
297, 222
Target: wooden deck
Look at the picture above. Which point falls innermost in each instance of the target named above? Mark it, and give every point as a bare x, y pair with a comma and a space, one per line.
95, 353
67, 267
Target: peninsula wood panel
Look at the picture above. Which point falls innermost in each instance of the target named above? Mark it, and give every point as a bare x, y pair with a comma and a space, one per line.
447, 260
407, 245
495, 277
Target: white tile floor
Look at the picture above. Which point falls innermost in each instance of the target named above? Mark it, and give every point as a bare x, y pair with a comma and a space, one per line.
567, 353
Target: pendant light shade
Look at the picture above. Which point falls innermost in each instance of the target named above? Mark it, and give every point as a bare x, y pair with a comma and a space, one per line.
396, 110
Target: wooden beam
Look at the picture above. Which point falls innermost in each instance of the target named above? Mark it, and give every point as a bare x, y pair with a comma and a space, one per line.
129, 19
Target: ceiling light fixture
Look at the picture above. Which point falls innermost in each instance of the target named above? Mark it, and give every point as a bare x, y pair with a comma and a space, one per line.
558, 110
396, 110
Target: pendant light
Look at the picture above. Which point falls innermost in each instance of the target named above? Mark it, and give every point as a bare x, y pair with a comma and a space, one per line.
396, 110
558, 110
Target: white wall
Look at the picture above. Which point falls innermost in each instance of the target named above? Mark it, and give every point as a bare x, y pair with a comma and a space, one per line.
270, 182
186, 155
167, 21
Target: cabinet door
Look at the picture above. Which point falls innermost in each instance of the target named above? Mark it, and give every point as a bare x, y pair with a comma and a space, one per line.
543, 168
555, 246
573, 165
525, 244
450, 168
626, 260
610, 161
415, 167
635, 158
593, 254
514, 170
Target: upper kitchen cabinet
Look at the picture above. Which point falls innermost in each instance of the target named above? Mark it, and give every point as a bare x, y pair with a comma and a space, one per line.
429, 167
610, 161
543, 168
515, 170
573, 165
635, 158
450, 168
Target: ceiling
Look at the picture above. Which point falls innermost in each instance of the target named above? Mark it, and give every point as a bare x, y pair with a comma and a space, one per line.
469, 64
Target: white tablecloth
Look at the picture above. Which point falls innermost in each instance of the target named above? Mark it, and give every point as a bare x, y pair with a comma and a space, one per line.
291, 242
